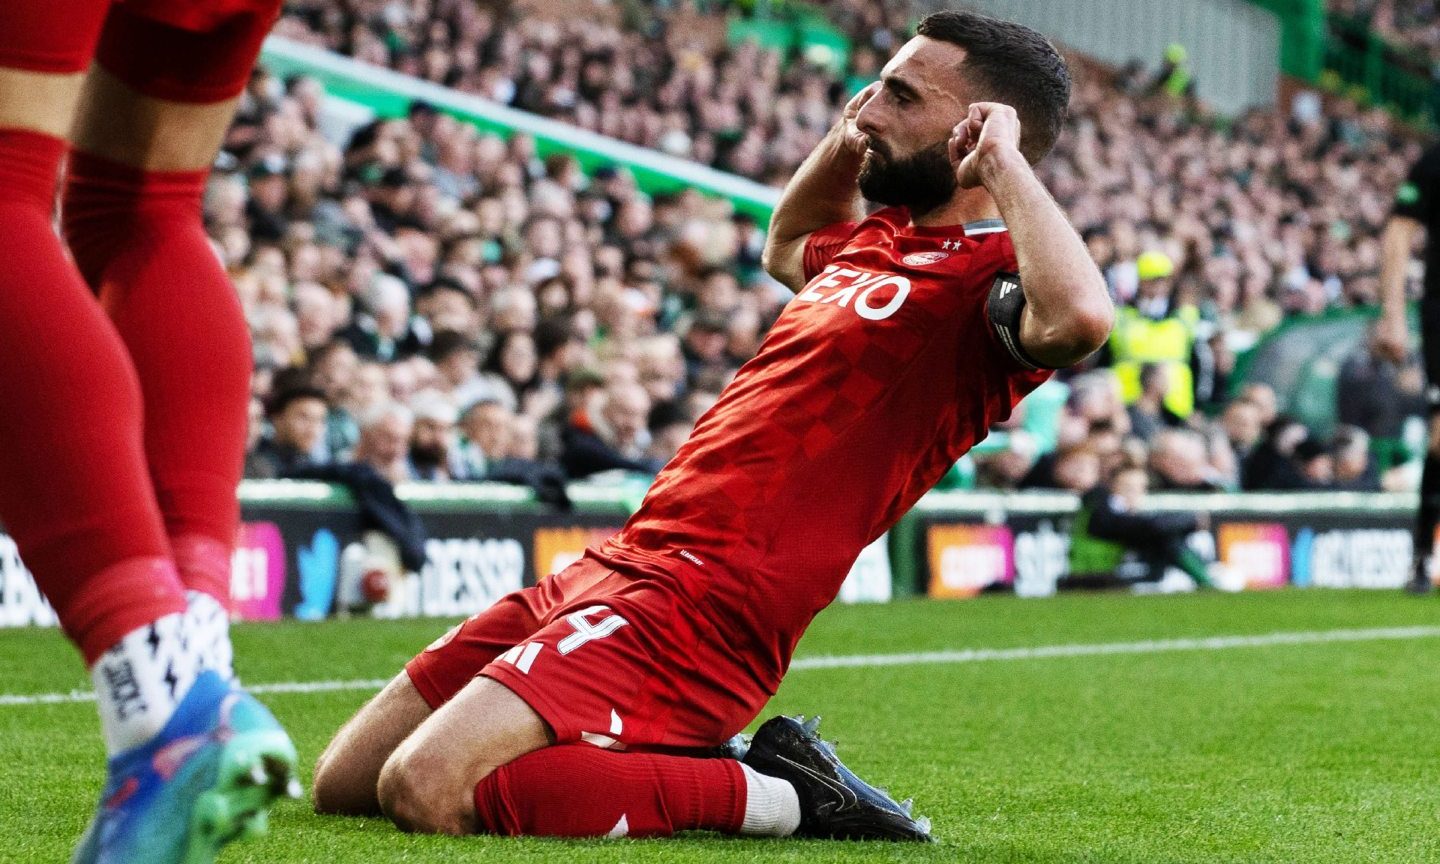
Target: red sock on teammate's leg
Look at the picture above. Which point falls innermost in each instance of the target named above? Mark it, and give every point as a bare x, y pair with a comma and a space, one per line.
74, 491
576, 790
138, 238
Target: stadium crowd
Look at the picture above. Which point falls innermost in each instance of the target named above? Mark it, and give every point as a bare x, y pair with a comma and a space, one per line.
447, 305
1410, 25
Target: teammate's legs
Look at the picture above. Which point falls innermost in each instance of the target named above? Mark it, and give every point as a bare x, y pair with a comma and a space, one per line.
73, 486
150, 121
74, 490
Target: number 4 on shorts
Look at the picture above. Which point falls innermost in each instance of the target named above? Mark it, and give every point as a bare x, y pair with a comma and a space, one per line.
586, 631
523, 656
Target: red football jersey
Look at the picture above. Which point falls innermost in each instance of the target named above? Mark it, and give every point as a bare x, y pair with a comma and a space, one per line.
874, 380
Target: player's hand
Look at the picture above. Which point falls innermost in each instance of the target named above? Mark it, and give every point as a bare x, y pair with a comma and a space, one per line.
989, 129
1392, 338
855, 141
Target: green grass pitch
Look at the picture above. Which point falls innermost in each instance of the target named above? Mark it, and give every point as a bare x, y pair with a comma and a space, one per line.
1283, 753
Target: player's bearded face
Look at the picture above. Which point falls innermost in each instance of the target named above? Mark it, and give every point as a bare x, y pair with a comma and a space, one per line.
921, 181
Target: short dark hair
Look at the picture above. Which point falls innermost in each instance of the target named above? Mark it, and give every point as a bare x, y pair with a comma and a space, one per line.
1012, 64
289, 396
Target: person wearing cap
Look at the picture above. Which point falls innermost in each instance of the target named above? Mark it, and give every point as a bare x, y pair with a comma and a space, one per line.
1174, 77
1153, 329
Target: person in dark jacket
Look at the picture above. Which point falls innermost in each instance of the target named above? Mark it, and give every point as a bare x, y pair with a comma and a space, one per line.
1113, 542
1272, 466
297, 422
615, 436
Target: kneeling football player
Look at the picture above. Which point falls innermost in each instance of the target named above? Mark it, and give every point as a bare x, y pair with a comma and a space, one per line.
592, 703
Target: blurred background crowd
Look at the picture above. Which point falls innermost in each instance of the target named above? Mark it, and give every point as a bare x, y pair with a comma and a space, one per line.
445, 305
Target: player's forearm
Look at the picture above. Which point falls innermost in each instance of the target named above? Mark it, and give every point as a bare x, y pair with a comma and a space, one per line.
1068, 313
822, 192
1396, 242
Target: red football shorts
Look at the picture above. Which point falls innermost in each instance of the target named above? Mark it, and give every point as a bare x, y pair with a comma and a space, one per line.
197, 51
603, 657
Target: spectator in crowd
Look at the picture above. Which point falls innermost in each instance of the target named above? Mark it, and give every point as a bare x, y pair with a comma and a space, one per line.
1272, 466
368, 388
511, 372
1077, 469
1157, 329
1112, 527
486, 428
431, 458
1354, 466
706, 344
1242, 425
457, 362
384, 442
614, 437
1174, 78
1010, 467
669, 425
297, 422
1149, 414
1316, 462
1180, 461
384, 333
1263, 397
1376, 395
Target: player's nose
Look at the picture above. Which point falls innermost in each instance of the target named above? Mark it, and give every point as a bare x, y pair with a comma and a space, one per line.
870, 120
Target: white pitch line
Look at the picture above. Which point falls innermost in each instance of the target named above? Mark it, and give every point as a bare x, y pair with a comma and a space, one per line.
258, 689
1158, 646
918, 658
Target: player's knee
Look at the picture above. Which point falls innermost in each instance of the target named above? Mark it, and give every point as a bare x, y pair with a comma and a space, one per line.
419, 792
331, 794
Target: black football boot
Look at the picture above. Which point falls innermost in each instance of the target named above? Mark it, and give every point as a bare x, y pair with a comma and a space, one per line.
833, 801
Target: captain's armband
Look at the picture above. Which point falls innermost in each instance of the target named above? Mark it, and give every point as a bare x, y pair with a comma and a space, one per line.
1005, 308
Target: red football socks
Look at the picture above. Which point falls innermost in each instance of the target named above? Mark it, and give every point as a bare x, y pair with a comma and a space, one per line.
140, 242
577, 790
74, 489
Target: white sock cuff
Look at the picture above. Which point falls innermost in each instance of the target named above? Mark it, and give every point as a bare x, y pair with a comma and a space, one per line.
772, 809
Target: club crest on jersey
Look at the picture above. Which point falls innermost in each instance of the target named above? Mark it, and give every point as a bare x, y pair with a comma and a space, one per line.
922, 259
875, 296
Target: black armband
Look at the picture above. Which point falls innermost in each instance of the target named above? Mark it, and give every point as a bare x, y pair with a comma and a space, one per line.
1005, 308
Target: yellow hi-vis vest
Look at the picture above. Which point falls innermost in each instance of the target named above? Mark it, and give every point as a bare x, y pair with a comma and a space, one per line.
1137, 340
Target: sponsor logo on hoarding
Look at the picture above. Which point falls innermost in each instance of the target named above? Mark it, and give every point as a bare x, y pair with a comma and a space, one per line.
462, 576
1042, 558
966, 559
558, 548
1352, 558
1260, 552
257, 572
319, 566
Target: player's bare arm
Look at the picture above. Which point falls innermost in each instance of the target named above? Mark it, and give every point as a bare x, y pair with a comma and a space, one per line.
822, 192
1068, 313
1393, 333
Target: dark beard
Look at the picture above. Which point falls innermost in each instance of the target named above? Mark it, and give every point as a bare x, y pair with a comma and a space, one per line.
921, 182
427, 458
